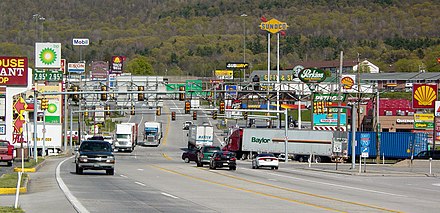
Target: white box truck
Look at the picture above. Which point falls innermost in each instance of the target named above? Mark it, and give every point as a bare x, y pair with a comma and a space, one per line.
53, 137
126, 136
152, 133
200, 135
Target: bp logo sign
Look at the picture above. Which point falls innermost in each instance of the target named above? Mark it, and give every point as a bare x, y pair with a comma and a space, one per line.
311, 75
48, 55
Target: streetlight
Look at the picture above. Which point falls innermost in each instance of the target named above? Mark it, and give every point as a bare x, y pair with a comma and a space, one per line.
41, 18
244, 44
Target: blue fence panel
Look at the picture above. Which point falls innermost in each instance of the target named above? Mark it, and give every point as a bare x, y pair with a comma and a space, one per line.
395, 145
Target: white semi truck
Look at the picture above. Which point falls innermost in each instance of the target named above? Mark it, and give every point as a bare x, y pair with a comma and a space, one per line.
52, 137
322, 145
152, 133
200, 135
126, 136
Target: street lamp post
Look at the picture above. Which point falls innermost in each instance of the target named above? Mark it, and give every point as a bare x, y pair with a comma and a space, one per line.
244, 44
38, 17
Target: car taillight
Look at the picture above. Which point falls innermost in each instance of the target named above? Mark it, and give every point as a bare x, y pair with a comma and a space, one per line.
217, 158
233, 158
10, 150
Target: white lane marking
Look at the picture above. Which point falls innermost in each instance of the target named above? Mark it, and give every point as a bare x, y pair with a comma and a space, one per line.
123, 176
139, 183
168, 195
72, 199
335, 185
140, 169
436, 184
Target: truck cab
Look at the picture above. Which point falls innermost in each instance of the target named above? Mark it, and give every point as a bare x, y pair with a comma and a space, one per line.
205, 153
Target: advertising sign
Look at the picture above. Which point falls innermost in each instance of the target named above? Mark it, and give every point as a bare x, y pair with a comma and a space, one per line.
13, 71
76, 67
53, 112
424, 96
437, 109
273, 26
237, 65
63, 66
311, 75
232, 90
423, 121
330, 119
224, 74
117, 64
48, 55
80, 41
99, 70
348, 82
48, 75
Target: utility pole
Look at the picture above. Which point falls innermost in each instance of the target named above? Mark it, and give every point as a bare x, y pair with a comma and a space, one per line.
358, 94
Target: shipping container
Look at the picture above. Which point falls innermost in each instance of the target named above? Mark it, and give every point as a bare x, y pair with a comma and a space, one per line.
393, 145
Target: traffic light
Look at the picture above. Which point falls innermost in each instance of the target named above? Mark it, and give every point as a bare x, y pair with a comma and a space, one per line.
132, 110
173, 116
141, 96
182, 95
75, 95
103, 95
214, 115
194, 115
86, 114
44, 103
222, 107
245, 115
187, 107
158, 111
107, 110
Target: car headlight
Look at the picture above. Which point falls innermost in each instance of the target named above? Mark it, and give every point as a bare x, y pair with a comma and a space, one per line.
82, 158
110, 159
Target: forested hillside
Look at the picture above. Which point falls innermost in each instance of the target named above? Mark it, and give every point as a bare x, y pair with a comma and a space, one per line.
194, 37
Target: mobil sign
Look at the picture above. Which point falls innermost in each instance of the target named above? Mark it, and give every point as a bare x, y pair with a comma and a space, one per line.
76, 67
80, 41
13, 71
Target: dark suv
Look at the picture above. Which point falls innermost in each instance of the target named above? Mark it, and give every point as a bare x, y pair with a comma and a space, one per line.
223, 159
205, 153
95, 155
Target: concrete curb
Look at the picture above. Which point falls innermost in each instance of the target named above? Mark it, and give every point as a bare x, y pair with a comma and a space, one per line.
7, 191
34, 169
374, 173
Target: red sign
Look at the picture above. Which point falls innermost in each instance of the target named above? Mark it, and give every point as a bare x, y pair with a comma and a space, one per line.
117, 64
13, 71
438, 60
424, 96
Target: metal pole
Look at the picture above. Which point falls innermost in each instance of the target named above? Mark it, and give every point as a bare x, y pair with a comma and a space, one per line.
278, 81
43, 151
71, 125
268, 70
353, 136
286, 138
378, 124
65, 114
339, 90
299, 112
35, 125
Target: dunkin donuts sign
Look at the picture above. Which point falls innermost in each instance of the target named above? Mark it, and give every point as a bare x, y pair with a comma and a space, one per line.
13, 71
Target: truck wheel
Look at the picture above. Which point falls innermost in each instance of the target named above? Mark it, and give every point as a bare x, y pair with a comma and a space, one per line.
9, 163
232, 168
318, 159
186, 160
199, 164
276, 167
110, 171
212, 167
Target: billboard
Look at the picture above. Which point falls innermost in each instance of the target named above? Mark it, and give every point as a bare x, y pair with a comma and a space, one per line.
76, 67
117, 64
424, 96
48, 55
13, 71
224, 74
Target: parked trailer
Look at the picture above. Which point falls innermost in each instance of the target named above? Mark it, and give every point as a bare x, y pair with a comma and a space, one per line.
301, 143
393, 145
53, 138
